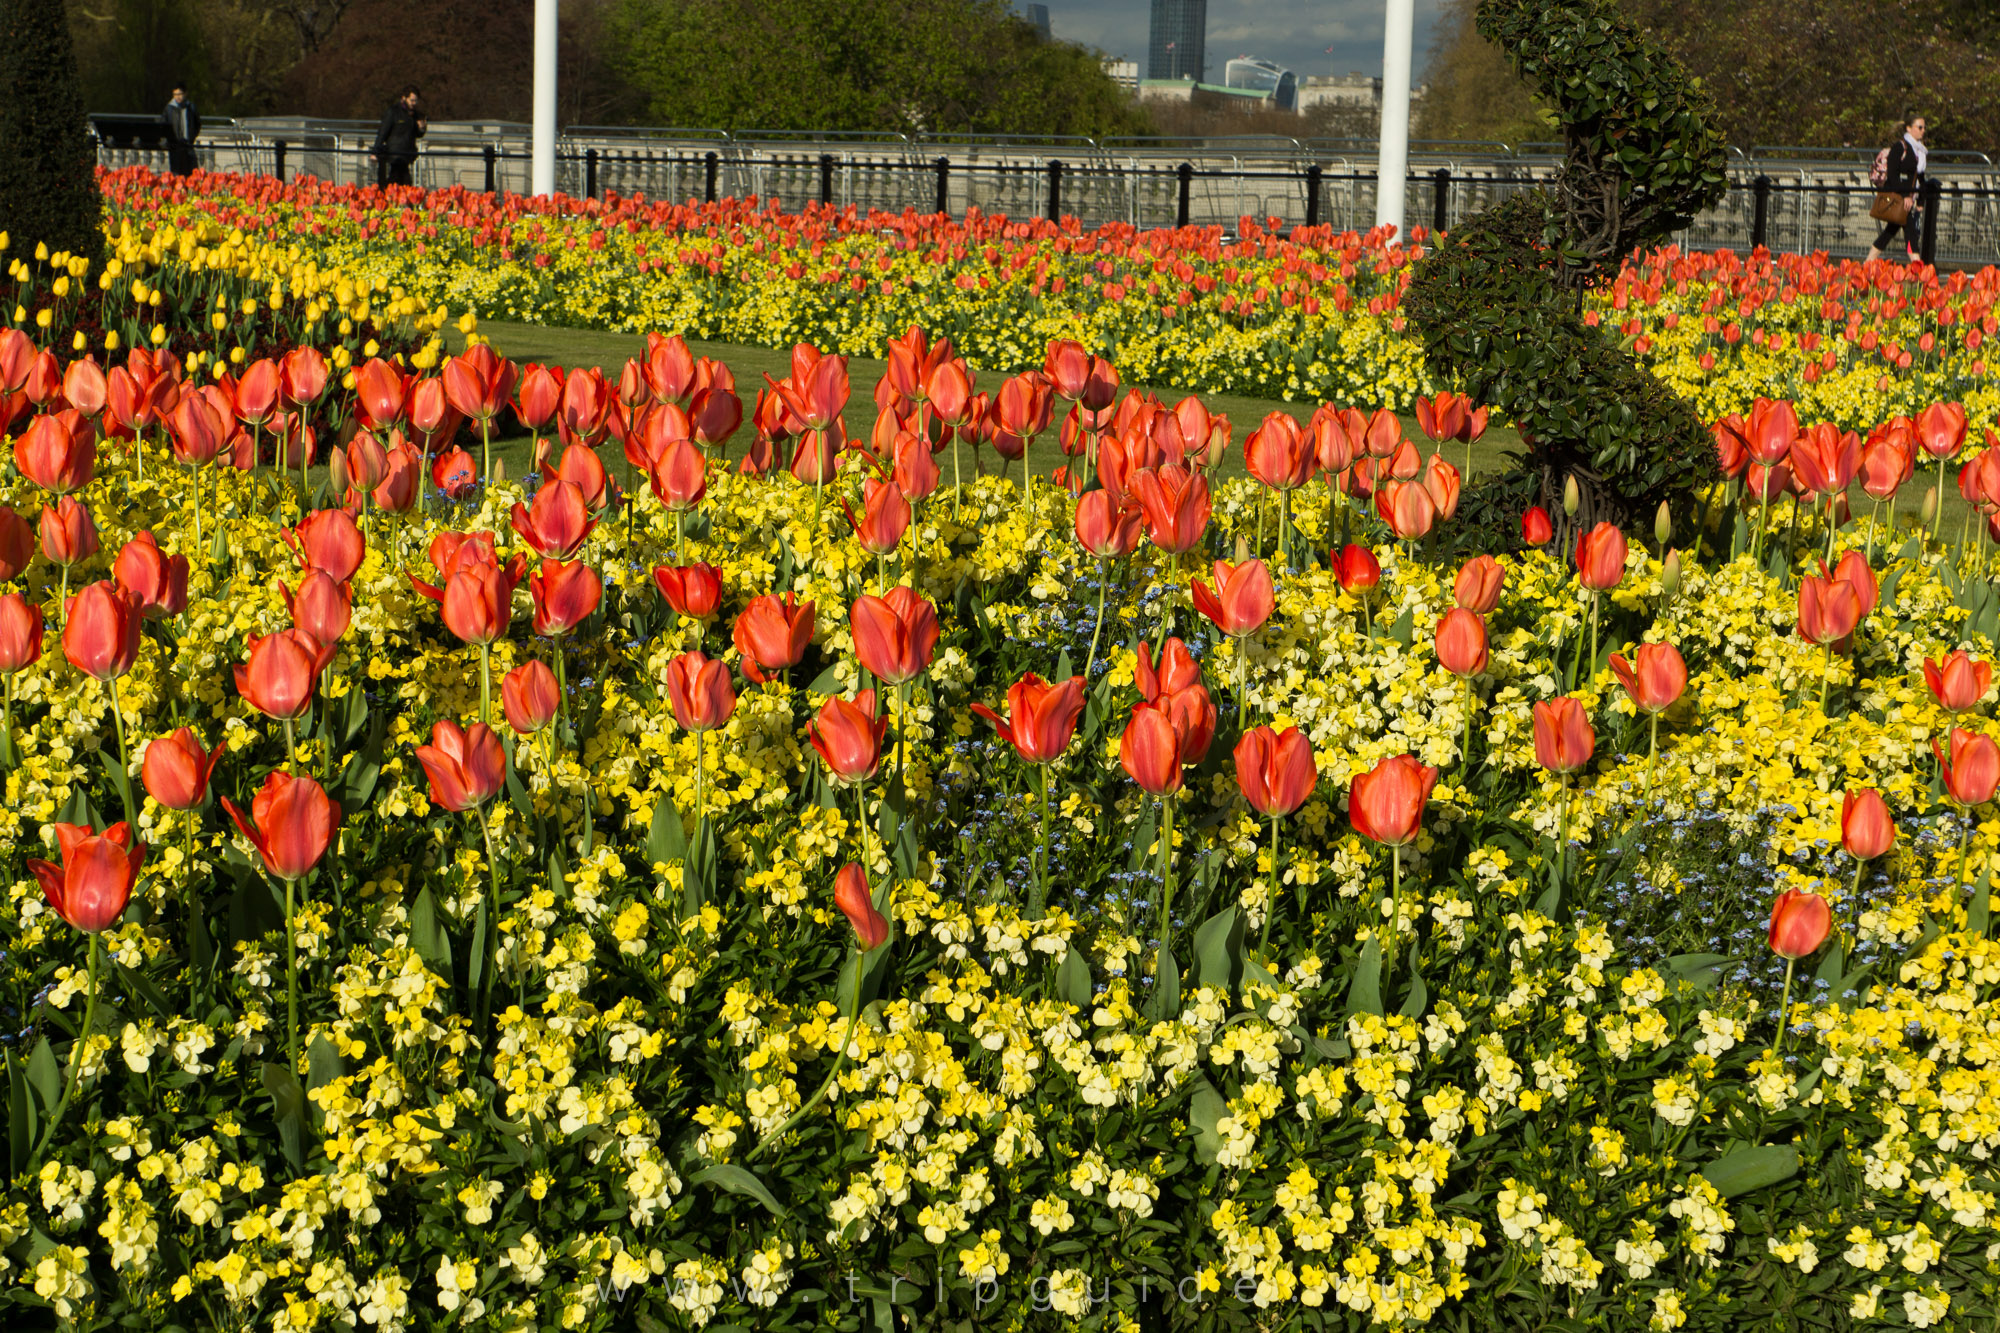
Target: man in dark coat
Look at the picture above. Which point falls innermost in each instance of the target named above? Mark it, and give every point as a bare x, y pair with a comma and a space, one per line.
396, 141
183, 124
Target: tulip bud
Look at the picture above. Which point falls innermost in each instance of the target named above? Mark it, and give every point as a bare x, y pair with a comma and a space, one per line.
1572, 497
1663, 524
1242, 548
337, 473
1670, 573
1928, 512
499, 469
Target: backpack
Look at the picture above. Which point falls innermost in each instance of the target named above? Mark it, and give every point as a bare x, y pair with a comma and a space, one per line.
1878, 175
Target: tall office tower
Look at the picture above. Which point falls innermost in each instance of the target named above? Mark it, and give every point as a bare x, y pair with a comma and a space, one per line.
1180, 28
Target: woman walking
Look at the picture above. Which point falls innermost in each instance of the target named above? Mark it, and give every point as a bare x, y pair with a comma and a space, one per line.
1904, 178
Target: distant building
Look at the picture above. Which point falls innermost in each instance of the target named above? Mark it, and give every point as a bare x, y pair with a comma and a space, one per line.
1124, 73
1179, 36
1037, 17
1252, 75
1357, 90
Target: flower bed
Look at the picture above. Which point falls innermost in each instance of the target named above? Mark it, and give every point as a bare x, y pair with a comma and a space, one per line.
1328, 939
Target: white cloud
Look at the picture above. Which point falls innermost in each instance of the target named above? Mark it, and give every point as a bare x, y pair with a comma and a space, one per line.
1296, 33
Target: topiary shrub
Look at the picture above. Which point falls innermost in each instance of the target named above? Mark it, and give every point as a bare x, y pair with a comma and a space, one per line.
1497, 305
48, 167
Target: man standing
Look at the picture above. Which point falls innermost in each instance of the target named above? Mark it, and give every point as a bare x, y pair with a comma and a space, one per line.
396, 142
183, 124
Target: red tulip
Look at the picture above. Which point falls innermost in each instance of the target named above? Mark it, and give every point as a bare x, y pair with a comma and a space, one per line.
303, 375
382, 389
694, 591
157, 582
772, 634
291, 824
1536, 530
467, 766
20, 632
58, 452
1800, 922
1732, 445
1773, 428
1278, 454
1866, 830
402, 476
1275, 770
1973, 769
1407, 507
455, 473
176, 769
1829, 609
884, 518
478, 382
894, 636
281, 671
1941, 429
257, 392
1477, 587
320, 607
101, 631
1041, 717
916, 470
699, 690
851, 896
1150, 749
1386, 804
94, 882
1177, 670
69, 533
1445, 417
558, 522
17, 544
1461, 642
1175, 503
1441, 483
848, 736
1654, 679
1958, 681
1194, 719
1600, 557
1854, 570
1242, 599
529, 697
565, 595
680, 478
329, 539
479, 603
1105, 528
1884, 468
197, 430
1357, 569
1564, 741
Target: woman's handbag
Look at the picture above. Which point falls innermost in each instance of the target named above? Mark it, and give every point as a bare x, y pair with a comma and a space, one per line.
1890, 207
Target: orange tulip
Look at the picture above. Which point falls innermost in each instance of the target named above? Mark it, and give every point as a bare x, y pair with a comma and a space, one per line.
1655, 679
558, 521
176, 769
257, 392
156, 582
1242, 598
478, 382
694, 591
1829, 609
479, 603
894, 636
848, 736
885, 516
1536, 530
69, 533
1444, 417
58, 452
1774, 426
382, 389
1972, 770
1278, 453
281, 672
699, 690
1275, 770
1175, 503
20, 632
1461, 642
329, 539
1600, 557
529, 697
1941, 429
467, 766
320, 607
302, 375
851, 896
17, 544
1477, 587
402, 476
1407, 508
94, 882
1958, 681
101, 631
1357, 569
1564, 741
197, 430
291, 824
680, 476
1386, 804
1800, 922
1441, 483
1176, 671
1041, 717
455, 473
1105, 528
1866, 829
772, 634
565, 594
1150, 749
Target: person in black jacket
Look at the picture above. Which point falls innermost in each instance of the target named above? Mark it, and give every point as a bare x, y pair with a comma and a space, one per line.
396, 142
1907, 159
183, 124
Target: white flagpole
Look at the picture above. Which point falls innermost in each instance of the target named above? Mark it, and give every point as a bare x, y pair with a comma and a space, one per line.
542, 177
1397, 34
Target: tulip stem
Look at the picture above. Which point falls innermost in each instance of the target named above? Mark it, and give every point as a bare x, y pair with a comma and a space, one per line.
1465, 751
1855, 894
291, 981
1166, 865
840, 1056
1652, 755
486, 683
79, 1052
1284, 529
291, 748
1785, 1006
1763, 519
1826, 669
700, 780
902, 729
124, 762
193, 907
1368, 616
486, 447
1038, 903
1091, 660
1937, 515
1271, 901
490, 943
1395, 913
1595, 598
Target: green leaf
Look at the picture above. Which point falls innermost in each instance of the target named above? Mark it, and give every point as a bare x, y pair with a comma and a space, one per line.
1165, 1004
1700, 971
1420, 996
323, 1066
288, 1109
1206, 1107
121, 782
739, 1180
1364, 992
1073, 980
21, 1118
1751, 1169
427, 935
1218, 950
44, 1075
665, 841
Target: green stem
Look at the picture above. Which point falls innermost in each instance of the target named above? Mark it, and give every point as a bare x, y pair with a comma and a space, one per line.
124, 760
1270, 903
1465, 751
486, 448
79, 1052
1937, 515
1368, 616
1826, 669
1855, 894
1166, 866
840, 1057
1595, 598
1785, 1006
291, 749
192, 906
486, 683
490, 943
700, 779
1395, 913
291, 980
1039, 902
1091, 660
1652, 755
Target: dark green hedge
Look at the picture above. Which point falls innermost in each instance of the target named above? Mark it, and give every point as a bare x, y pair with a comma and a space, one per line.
48, 181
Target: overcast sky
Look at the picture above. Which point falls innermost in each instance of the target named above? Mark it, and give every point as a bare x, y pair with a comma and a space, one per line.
1295, 33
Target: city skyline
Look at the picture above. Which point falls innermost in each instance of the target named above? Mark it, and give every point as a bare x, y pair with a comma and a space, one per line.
1310, 37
